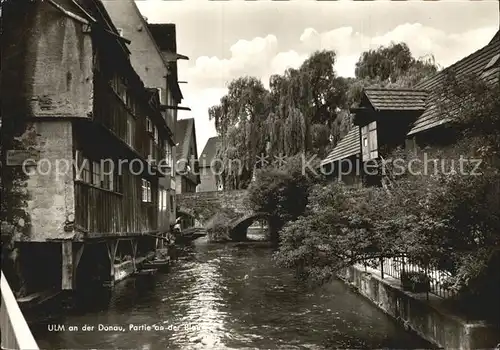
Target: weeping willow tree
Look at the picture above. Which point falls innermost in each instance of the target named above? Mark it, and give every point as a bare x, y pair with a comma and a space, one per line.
296, 115
305, 110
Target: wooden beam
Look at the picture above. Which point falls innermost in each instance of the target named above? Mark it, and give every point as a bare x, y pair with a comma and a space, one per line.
67, 265
77, 255
134, 252
180, 108
112, 247
68, 13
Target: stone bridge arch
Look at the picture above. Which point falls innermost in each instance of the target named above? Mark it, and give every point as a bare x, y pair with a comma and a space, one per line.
203, 206
239, 226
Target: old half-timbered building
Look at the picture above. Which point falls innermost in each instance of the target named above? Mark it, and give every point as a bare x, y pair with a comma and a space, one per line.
165, 37
412, 119
152, 59
95, 136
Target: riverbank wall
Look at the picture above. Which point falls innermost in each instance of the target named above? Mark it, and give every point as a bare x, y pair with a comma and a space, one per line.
426, 317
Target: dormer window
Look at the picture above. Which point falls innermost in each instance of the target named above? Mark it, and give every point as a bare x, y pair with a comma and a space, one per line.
493, 62
492, 66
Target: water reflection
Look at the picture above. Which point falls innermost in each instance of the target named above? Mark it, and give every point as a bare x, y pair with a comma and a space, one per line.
232, 297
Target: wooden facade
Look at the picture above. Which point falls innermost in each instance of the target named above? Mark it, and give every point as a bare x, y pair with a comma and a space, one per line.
82, 102
118, 153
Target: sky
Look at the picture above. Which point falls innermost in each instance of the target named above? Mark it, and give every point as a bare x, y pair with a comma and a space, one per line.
229, 39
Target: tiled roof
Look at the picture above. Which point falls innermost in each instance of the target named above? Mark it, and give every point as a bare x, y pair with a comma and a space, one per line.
183, 134
472, 65
348, 146
209, 152
396, 99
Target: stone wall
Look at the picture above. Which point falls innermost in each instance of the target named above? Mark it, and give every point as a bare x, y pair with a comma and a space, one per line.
428, 318
204, 205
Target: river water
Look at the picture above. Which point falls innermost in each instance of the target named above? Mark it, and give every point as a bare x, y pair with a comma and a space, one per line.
228, 296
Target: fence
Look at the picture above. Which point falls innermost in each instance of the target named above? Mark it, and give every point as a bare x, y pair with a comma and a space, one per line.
15, 333
394, 266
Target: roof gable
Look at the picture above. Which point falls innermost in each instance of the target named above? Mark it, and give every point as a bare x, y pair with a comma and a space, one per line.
120, 12
348, 146
396, 99
472, 65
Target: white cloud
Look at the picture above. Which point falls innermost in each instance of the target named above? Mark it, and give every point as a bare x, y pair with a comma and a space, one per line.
261, 58
248, 57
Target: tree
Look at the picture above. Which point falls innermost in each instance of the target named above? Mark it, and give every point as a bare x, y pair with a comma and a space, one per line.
282, 191
296, 115
392, 64
447, 218
305, 109
239, 120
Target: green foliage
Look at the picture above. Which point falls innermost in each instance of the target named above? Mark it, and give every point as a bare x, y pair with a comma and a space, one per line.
444, 219
415, 281
218, 229
305, 110
473, 105
282, 192
394, 64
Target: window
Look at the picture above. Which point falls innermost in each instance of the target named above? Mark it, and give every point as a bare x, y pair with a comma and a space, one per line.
130, 139
96, 174
492, 62
149, 125
162, 200
161, 95
146, 191
124, 94
108, 176
365, 141
168, 154
151, 150
171, 203
155, 133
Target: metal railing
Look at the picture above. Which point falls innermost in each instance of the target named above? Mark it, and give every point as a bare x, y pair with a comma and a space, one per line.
394, 266
15, 332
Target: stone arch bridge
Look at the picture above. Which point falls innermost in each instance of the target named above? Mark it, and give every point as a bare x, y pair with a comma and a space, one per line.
203, 206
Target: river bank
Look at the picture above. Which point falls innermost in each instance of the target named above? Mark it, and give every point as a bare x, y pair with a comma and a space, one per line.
227, 296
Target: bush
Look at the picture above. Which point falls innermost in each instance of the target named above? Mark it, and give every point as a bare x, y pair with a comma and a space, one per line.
218, 229
415, 281
282, 192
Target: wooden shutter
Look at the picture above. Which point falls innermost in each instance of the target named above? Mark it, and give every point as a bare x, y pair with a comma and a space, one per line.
369, 143
372, 140
364, 143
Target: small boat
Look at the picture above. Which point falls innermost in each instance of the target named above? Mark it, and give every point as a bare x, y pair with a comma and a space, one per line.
159, 264
146, 272
37, 299
190, 234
